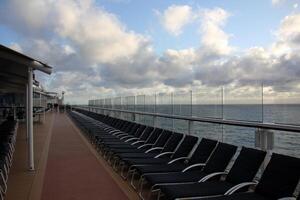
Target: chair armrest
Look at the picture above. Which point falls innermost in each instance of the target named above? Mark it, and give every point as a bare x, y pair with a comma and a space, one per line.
139, 141
239, 186
212, 175
144, 145
193, 166
126, 137
178, 159
131, 139
164, 153
115, 132
153, 149
121, 135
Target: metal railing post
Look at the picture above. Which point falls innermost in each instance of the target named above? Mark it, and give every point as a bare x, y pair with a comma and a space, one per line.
264, 139
190, 122
172, 103
134, 108
155, 111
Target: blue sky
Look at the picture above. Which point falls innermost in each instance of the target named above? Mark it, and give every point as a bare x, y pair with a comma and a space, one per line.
111, 47
251, 21
250, 24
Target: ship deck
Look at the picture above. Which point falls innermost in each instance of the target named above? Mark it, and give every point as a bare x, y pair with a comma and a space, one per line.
67, 166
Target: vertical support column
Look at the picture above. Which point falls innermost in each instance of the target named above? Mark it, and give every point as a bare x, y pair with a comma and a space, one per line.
191, 123
172, 102
30, 122
134, 108
264, 139
222, 107
122, 108
27, 114
155, 118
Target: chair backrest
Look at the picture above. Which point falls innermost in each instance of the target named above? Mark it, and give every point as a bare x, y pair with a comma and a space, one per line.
172, 142
280, 177
245, 165
186, 146
140, 131
220, 158
123, 125
134, 128
203, 151
154, 135
128, 127
146, 133
162, 139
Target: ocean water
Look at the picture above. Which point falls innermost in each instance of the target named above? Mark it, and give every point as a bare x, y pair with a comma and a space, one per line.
284, 142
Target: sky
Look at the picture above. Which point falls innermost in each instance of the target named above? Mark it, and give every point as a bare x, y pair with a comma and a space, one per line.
102, 48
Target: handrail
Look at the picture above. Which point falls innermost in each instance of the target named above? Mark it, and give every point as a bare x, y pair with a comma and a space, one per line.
261, 125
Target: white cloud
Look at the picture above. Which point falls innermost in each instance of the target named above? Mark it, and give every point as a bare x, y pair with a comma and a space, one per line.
213, 36
93, 52
175, 17
277, 2
287, 35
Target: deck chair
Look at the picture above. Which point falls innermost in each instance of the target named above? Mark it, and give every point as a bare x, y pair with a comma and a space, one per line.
170, 146
217, 162
184, 149
243, 170
279, 180
200, 155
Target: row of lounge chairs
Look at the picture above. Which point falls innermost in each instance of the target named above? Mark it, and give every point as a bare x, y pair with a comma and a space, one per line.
166, 165
7, 147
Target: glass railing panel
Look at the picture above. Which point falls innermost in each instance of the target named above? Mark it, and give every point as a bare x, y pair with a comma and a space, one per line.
101, 103
148, 120
139, 119
140, 103
182, 103
281, 105
207, 102
164, 123
239, 136
207, 130
180, 126
117, 103
164, 103
124, 103
107, 103
287, 143
243, 102
150, 103
131, 103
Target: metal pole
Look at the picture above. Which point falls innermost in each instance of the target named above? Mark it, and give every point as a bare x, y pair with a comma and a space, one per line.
155, 110
262, 102
30, 122
26, 110
172, 102
222, 136
190, 123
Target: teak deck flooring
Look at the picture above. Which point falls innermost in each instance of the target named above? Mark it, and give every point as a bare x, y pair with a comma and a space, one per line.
67, 166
